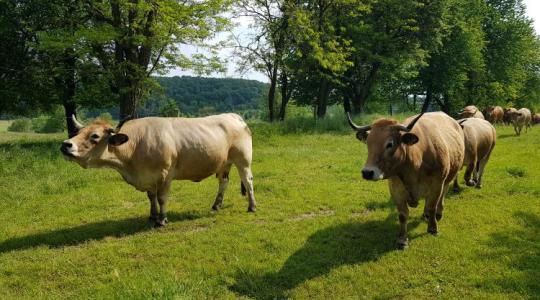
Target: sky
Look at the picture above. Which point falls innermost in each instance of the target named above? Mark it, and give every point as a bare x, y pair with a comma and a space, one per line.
242, 30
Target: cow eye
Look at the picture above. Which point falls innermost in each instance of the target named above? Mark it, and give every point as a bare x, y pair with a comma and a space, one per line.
389, 145
94, 136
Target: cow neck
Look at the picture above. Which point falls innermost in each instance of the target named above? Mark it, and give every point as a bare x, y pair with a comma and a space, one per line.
410, 163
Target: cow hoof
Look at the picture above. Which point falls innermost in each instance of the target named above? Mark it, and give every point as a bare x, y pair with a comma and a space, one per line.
456, 189
152, 218
438, 217
252, 209
433, 232
413, 203
470, 183
161, 223
402, 245
215, 207
478, 186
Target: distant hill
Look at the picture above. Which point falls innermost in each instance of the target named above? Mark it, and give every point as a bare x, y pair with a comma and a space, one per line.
200, 95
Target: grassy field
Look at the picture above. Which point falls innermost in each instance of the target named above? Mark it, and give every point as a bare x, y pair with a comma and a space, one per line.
319, 232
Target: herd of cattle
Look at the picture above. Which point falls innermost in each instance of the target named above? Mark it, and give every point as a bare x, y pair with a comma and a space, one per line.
419, 159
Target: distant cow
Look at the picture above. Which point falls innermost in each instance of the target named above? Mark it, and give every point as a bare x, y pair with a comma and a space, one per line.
506, 117
535, 118
471, 111
520, 118
151, 152
480, 137
419, 160
494, 114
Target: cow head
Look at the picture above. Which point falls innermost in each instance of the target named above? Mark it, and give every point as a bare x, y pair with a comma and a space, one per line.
386, 141
92, 141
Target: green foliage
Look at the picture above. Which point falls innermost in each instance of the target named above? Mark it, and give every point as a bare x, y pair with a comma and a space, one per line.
20, 125
320, 230
170, 109
54, 122
106, 116
202, 96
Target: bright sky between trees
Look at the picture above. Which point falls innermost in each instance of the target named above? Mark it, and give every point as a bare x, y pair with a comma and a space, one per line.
533, 11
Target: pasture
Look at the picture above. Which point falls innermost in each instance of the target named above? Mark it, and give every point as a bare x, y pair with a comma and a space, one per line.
319, 232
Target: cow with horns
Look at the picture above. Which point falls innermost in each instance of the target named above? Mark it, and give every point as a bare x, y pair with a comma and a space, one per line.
151, 152
419, 160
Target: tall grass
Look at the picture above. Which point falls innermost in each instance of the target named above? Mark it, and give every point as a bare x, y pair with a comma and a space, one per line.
301, 120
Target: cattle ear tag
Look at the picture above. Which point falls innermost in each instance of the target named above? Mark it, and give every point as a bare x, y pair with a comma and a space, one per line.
362, 135
118, 139
409, 139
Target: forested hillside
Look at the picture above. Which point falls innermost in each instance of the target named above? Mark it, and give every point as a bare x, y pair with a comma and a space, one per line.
200, 95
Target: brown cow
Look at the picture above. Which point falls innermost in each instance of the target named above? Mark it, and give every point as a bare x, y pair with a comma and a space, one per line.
151, 152
506, 117
480, 137
471, 111
535, 118
419, 160
494, 114
520, 118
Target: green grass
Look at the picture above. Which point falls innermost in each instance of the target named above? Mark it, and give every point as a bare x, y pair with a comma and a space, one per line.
4, 124
319, 232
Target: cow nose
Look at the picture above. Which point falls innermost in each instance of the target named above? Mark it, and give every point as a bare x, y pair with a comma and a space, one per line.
67, 145
367, 174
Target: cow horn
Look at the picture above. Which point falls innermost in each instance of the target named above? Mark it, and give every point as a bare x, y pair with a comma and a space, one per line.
411, 125
356, 127
77, 124
121, 123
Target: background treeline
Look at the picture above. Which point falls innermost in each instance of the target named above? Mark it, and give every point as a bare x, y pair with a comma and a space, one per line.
379, 53
362, 55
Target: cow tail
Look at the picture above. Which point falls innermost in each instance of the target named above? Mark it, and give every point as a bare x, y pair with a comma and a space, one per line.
243, 188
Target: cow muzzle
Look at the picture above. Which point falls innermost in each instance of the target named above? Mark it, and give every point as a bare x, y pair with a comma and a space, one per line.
371, 173
68, 149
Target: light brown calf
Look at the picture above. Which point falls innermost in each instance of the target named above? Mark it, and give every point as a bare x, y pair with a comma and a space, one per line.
494, 114
521, 118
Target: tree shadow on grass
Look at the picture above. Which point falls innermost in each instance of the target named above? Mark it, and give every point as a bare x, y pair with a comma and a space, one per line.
521, 250
93, 231
344, 244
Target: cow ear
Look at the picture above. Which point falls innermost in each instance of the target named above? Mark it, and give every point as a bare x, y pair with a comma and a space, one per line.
409, 139
118, 139
362, 135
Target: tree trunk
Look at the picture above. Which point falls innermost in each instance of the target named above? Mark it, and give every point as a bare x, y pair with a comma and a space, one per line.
427, 101
129, 102
67, 83
272, 93
285, 96
322, 99
363, 91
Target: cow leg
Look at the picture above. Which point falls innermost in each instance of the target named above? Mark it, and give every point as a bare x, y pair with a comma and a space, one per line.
400, 195
223, 177
470, 169
432, 201
247, 180
456, 184
162, 197
152, 196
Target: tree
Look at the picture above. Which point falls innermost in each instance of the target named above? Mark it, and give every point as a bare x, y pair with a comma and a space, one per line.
132, 39
267, 49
